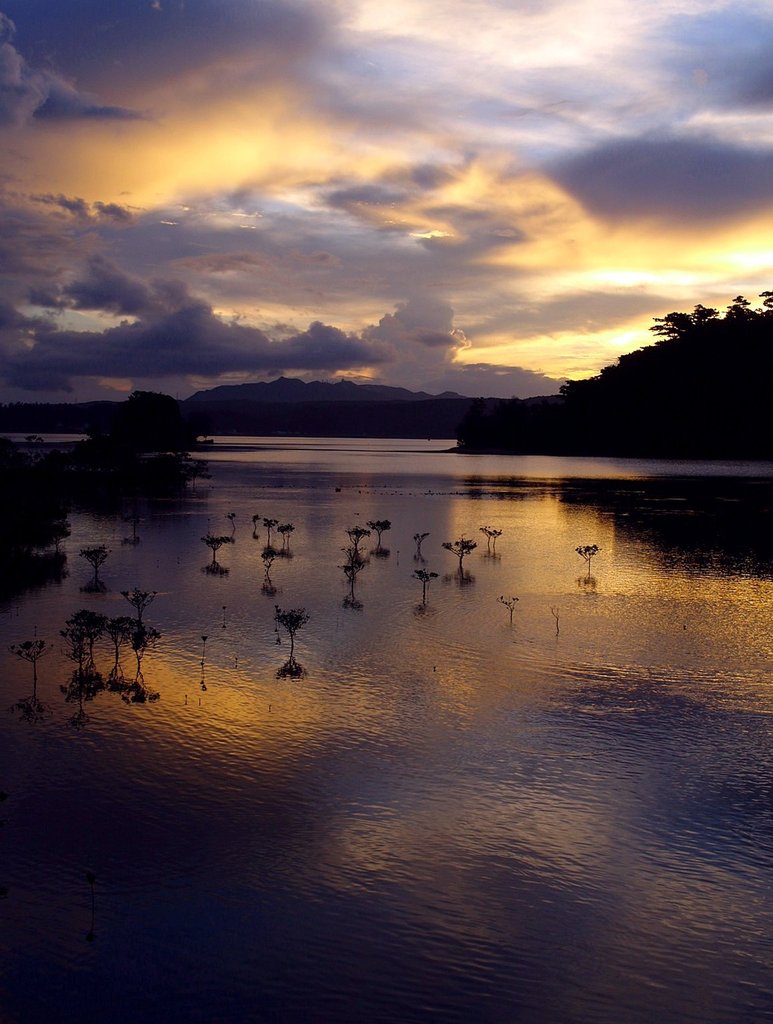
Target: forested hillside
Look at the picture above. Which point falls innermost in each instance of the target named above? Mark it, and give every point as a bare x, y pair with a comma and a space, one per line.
702, 390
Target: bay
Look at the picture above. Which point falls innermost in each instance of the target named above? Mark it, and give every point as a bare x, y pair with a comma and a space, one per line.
447, 817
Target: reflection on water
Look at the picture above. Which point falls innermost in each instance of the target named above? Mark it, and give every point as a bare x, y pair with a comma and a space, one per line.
441, 815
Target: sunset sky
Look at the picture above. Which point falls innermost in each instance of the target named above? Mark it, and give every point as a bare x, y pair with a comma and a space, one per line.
486, 196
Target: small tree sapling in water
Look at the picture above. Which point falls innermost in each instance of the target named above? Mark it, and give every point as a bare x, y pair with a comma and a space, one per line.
588, 553
424, 576
96, 557
509, 603
461, 548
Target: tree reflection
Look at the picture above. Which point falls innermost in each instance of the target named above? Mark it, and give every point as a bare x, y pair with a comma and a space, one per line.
30, 708
291, 669
460, 578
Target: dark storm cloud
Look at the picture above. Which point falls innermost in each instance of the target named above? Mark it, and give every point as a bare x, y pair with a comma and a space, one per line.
104, 213
105, 287
676, 178
175, 334
36, 244
28, 93
140, 44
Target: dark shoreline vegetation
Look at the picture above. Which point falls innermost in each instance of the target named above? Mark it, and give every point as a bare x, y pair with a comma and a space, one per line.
704, 390
142, 455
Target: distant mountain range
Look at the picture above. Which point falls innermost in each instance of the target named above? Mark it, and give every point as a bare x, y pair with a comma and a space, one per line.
289, 389
320, 409
285, 406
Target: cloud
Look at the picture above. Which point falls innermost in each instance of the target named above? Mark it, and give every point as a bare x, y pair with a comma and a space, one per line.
421, 323
174, 335
28, 93
136, 47
694, 180
491, 381
96, 212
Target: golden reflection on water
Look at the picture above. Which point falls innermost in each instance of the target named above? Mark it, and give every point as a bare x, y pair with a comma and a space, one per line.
478, 786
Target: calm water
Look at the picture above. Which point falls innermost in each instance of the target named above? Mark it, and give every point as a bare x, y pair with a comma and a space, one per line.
448, 818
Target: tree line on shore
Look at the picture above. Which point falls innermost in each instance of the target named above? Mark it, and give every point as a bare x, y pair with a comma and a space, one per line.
702, 390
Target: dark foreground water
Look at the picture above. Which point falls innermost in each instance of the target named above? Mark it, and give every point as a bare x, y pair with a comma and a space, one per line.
447, 818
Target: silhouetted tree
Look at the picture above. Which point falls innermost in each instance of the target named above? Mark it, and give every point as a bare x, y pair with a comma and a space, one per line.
214, 543
285, 529
356, 535
555, 612
379, 526
96, 557
31, 708
491, 538
119, 632
461, 548
139, 600
267, 557
352, 567
81, 632
143, 638
419, 538
292, 620
588, 553
151, 422
424, 576
269, 525
509, 603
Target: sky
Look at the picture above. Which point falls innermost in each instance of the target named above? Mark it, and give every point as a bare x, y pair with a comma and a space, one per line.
483, 196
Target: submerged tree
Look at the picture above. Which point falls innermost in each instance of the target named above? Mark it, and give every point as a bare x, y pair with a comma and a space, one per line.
143, 638
356, 535
255, 521
588, 552
425, 577
491, 538
134, 539
285, 529
269, 524
292, 620
139, 600
119, 631
81, 632
379, 526
419, 539
231, 517
214, 543
268, 556
461, 548
31, 708
96, 557
509, 603
352, 567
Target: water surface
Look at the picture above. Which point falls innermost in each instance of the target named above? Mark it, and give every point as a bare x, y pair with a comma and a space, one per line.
447, 818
